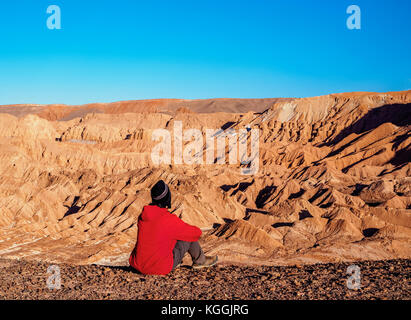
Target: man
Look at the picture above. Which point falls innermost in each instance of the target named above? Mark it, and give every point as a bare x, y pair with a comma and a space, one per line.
163, 239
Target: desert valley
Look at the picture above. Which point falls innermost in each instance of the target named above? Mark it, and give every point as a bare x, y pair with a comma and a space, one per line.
333, 184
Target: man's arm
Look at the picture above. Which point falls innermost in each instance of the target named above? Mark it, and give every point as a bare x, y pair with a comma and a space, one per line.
184, 231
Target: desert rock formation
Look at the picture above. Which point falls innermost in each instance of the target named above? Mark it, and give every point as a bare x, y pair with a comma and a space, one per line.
334, 179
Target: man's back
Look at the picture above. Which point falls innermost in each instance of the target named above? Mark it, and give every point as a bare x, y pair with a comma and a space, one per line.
158, 232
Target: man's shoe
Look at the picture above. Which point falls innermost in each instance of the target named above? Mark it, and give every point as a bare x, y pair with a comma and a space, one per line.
209, 261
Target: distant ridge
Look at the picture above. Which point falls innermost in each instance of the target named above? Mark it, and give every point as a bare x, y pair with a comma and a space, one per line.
169, 106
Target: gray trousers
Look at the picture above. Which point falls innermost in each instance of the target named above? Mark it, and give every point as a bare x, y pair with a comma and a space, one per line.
193, 248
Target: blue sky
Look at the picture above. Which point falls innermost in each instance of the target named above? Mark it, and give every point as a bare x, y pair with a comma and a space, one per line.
122, 50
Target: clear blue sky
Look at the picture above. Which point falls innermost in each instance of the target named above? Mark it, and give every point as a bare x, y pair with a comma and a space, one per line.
122, 50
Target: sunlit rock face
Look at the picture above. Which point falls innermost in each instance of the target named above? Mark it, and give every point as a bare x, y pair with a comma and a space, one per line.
333, 181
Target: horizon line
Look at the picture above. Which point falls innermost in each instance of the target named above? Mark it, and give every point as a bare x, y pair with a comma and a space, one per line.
197, 99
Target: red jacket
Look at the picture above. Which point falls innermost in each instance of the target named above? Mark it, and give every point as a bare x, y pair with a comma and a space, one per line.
158, 232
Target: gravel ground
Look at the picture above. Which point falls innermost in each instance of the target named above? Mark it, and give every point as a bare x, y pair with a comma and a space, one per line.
379, 280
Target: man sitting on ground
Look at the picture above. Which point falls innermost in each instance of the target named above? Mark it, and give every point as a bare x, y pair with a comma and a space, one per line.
163, 239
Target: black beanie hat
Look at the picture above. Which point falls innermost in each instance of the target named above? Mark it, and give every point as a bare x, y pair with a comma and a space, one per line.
161, 195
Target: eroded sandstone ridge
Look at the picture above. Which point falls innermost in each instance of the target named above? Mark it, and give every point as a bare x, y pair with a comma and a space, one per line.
333, 181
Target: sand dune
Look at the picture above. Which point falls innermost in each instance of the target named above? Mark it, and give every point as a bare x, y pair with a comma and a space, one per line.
334, 180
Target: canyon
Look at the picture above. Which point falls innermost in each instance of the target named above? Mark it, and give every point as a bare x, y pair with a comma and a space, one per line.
333, 182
